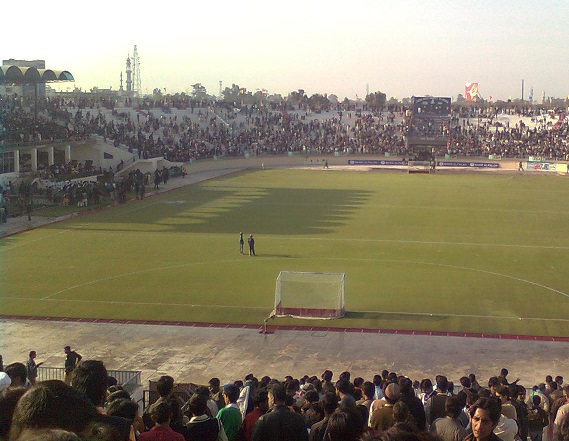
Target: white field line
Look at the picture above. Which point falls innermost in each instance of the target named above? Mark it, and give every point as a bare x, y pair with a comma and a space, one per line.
429, 242
29, 242
133, 273
427, 314
323, 239
462, 268
121, 302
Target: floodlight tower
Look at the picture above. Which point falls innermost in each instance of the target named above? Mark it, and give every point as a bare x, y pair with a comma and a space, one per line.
137, 87
220, 87
128, 77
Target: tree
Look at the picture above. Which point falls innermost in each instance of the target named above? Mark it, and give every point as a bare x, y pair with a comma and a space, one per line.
260, 97
376, 100
199, 92
393, 101
275, 98
318, 102
297, 98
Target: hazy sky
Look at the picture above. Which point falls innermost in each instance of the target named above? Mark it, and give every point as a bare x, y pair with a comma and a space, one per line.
399, 47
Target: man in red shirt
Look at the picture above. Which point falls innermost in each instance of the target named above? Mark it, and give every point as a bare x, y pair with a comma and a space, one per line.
261, 405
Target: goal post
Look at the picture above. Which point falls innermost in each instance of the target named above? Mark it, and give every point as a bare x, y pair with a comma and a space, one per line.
419, 167
310, 294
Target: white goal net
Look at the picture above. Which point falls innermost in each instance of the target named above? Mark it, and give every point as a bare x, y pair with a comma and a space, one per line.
419, 167
310, 295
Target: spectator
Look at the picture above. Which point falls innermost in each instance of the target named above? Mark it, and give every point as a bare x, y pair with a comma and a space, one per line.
230, 415
280, 423
201, 426
403, 421
465, 390
435, 406
165, 389
261, 406
32, 368
382, 419
426, 387
216, 392
563, 433
562, 411
8, 401
52, 405
449, 428
537, 419
327, 385
345, 425
125, 408
329, 405
368, 391
17, 373
416, 409
161, 431
484, 417
212, 408
90, 378
518, 394
5, 381
71, 360
508, 409
344, 390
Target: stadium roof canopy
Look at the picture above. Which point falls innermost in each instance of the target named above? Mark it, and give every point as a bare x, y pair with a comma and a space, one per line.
10, 74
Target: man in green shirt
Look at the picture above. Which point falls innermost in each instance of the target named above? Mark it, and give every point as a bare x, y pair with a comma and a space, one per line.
230, 415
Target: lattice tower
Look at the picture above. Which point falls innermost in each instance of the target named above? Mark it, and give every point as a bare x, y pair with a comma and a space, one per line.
137, 86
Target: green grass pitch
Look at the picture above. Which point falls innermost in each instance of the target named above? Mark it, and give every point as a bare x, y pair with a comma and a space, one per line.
475, 253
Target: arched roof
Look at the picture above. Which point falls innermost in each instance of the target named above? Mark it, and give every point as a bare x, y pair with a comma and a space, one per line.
21, 75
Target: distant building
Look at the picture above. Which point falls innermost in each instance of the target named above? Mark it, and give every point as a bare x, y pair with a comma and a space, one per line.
23, 89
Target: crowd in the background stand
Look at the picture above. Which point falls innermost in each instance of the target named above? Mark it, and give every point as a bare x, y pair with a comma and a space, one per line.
91, 405
206, 129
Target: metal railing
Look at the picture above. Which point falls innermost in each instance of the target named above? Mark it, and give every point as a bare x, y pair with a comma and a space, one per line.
129, 380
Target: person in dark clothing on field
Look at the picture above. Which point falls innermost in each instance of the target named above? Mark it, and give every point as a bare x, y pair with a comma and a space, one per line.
251, 243
241, 242
72, 358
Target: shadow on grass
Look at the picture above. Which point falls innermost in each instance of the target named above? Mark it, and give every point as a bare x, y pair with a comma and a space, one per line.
203, 209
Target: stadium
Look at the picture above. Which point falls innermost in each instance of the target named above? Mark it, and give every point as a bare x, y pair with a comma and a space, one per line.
450, 262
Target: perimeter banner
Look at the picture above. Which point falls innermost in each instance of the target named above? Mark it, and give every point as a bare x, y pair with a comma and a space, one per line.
541, 166
375, 162
468, 164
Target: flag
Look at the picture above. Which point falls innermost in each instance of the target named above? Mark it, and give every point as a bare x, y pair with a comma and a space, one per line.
471, 91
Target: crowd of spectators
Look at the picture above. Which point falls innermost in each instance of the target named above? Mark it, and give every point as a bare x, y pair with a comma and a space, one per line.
216, 129
91, 405
25, 122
